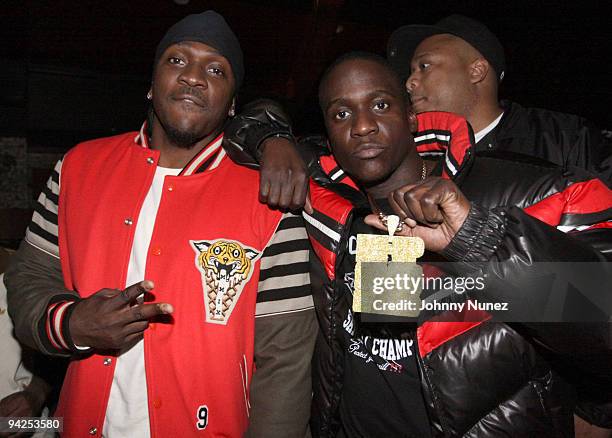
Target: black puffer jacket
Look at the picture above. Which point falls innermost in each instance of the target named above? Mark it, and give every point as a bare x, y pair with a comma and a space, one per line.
479, 378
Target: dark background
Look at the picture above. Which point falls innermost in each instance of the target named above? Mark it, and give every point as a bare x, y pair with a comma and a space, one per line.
73, 70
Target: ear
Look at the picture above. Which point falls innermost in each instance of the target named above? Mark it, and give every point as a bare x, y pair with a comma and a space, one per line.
250, 253
202, 245
232, 110
479, 69
412, 121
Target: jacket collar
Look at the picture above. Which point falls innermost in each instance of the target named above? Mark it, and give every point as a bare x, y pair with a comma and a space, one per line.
448, 136
512, 124
207, 159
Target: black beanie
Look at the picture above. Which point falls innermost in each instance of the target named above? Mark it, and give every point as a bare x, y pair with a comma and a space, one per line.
211, 29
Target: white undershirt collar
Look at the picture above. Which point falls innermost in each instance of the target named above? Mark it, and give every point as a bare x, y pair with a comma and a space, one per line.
480, 134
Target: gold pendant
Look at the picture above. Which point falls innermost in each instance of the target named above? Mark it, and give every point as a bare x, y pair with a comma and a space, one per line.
388, 280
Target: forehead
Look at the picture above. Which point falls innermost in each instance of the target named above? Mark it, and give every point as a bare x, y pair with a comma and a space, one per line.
357, 79
224, 244
442, 43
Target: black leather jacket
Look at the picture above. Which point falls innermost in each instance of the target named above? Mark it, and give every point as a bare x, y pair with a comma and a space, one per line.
563, 139
523, 370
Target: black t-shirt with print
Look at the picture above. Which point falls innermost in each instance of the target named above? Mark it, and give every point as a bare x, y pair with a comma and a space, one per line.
381, 393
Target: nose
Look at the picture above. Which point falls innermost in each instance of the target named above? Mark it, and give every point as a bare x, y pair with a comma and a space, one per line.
411, 83
363, 124
193, 75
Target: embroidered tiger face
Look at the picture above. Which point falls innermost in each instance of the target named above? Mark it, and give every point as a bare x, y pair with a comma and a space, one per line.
227, 259
225, 265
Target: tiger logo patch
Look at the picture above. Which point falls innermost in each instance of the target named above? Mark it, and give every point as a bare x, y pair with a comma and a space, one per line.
226, 266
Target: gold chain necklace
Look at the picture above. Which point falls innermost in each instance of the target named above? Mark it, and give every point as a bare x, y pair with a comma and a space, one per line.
384, 218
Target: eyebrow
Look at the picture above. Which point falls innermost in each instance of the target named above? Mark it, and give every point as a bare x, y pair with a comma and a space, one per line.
420, 55
187, 45
370, 95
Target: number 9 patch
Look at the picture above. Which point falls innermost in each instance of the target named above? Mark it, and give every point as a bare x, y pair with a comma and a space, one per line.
202, 417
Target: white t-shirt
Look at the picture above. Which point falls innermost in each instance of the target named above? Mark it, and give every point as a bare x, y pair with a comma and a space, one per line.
480, 134
127, 412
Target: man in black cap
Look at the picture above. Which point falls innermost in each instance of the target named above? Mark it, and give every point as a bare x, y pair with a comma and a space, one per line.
457, 64
152, 264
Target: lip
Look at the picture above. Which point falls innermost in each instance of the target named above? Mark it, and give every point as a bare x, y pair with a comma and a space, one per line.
191, 99
367, 151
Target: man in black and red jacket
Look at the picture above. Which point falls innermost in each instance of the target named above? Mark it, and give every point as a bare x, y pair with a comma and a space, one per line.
491, 215
458, 65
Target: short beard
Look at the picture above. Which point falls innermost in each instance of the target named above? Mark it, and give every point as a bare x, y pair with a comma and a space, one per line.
181, 139
178, 137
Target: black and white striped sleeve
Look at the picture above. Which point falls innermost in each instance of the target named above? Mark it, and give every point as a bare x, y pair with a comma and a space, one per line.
42, 231
38, 302
285, 334
284, 281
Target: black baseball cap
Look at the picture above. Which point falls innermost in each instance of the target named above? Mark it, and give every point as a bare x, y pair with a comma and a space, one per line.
404, 41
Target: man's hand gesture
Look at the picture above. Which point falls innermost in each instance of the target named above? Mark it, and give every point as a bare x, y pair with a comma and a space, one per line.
113, 319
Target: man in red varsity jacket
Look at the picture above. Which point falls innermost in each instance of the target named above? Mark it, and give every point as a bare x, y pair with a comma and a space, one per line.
183, 301
494, 215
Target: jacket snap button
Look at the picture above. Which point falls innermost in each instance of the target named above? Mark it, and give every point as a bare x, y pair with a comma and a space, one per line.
128, 221
93, 431
157, 251
170, 187
107, 361
150, 160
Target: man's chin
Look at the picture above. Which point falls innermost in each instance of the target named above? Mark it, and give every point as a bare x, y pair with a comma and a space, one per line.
182, 138
418, 109
370, 179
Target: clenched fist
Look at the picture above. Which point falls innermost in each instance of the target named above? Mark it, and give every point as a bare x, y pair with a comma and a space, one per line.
283, 178
433, 209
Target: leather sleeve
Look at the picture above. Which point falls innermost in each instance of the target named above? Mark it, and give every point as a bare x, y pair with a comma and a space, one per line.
34, 281
521, 259
592, 151
281, 390
505, 246
311, 148
258, 120
262, 119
